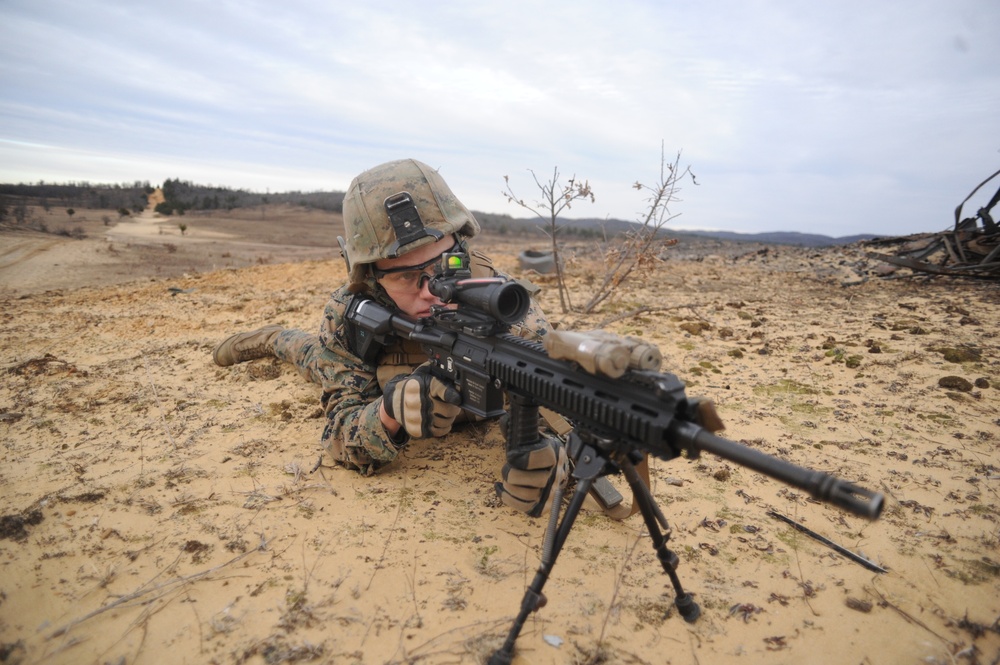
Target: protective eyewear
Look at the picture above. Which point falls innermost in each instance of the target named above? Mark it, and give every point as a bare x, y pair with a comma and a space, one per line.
407, 278
412, 278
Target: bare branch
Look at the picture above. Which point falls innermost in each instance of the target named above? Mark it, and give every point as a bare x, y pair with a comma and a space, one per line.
556, 197
642, 246
623, 254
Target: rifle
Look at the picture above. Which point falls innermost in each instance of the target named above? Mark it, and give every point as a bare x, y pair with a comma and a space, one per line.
610, 388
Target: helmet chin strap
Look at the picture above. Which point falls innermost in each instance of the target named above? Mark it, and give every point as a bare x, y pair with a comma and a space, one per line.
343, 252
406, 223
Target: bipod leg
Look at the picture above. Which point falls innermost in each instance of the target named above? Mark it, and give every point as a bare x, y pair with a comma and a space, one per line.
654, 519
555, 536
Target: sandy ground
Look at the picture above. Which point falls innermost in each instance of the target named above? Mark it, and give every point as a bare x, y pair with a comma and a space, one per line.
95, 248
157, 508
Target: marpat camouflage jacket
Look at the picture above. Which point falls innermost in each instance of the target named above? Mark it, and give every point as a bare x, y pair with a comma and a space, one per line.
352, 389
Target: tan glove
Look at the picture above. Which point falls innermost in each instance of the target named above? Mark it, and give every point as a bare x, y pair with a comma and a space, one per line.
530, 476
423, 404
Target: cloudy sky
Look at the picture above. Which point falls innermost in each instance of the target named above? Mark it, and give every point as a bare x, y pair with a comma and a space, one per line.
834, 117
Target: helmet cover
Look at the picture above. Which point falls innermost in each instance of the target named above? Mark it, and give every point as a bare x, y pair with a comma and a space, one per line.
394, 208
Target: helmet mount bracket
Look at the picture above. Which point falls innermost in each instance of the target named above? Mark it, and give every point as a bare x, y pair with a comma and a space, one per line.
406, 223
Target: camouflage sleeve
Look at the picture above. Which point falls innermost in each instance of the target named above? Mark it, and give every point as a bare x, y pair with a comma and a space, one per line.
534, 325
354, 435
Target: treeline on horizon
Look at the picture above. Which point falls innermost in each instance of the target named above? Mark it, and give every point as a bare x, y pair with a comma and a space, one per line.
179, 195
182, 196
128, 197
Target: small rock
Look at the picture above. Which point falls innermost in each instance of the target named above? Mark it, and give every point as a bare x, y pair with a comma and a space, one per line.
859, 605
960, 354
264, 371
695, 327
955, 383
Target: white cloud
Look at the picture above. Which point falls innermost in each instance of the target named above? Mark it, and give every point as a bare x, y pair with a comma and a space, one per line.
879, 117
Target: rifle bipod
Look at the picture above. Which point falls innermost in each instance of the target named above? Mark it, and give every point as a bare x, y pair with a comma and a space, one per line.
591, 464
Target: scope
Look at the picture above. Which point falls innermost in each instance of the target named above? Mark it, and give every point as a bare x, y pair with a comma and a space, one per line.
503, 299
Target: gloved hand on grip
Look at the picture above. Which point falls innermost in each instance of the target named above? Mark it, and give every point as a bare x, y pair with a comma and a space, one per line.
421, 403
531, 475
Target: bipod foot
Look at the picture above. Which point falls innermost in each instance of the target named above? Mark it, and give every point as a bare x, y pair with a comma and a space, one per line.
688, 609
654, 519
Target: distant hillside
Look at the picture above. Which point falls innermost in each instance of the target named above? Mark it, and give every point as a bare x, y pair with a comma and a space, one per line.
590, 227
783, 238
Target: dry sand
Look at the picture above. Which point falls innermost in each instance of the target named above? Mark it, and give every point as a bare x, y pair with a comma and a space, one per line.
157, 508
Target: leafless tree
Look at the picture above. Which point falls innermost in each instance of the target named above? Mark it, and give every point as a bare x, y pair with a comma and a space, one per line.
638, 248
555, 198
622, 253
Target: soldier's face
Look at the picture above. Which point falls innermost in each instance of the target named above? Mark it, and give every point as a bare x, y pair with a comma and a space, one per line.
406, 288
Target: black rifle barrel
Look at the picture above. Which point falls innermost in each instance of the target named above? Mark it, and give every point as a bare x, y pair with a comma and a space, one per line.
822, 486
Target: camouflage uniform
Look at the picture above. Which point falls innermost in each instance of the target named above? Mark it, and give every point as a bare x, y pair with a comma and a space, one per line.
390, 211
354, 435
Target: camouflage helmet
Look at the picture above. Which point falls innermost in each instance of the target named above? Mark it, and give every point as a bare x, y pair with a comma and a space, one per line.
395, 208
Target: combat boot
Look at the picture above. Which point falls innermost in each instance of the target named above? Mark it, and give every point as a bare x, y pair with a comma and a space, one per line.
246, 346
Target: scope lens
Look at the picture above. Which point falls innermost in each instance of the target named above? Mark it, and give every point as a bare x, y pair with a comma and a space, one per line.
510, 302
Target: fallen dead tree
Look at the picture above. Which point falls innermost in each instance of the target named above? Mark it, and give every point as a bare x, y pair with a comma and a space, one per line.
970, 249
